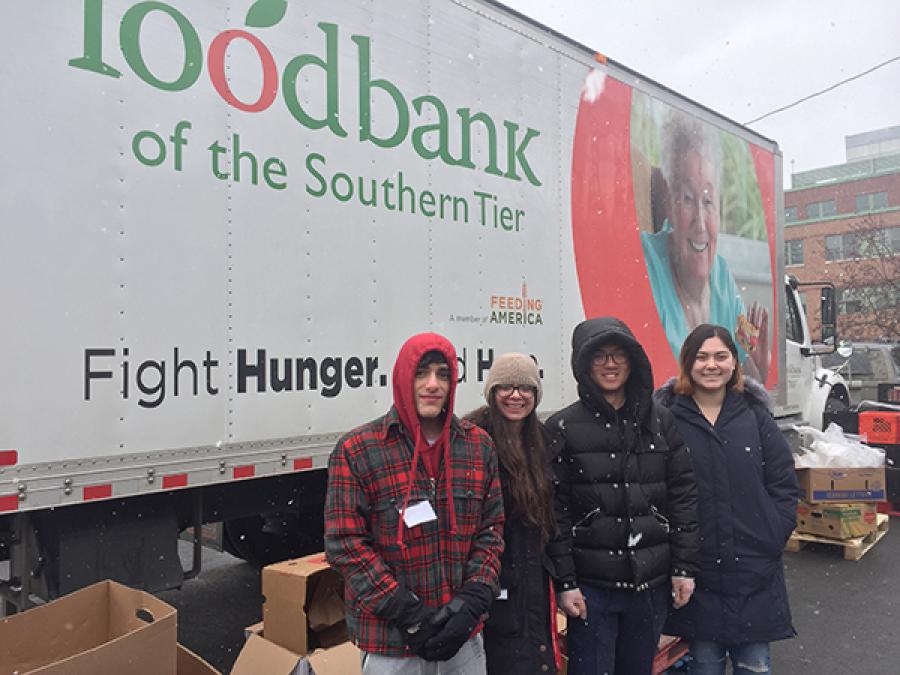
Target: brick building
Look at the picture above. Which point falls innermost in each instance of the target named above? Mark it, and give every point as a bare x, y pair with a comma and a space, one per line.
842, 224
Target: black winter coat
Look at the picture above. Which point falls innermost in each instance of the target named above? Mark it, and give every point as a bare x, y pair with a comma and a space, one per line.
518, 634
625, 498
748, 504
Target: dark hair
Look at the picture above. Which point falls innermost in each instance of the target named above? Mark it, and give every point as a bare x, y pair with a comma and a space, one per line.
693, 342
529, 493
429, 357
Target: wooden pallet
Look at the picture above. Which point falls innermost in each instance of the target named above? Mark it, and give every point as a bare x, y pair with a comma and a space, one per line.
854, 548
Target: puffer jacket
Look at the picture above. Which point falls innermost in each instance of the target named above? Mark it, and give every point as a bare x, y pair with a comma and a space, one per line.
626, 499
747, 494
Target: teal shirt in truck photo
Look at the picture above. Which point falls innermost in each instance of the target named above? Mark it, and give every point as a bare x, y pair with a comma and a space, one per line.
724, 299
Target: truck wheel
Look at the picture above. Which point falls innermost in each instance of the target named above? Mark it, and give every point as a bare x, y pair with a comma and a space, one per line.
256, 540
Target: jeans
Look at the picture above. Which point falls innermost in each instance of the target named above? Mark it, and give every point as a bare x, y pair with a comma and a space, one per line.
621, 631
750, 658
469, 660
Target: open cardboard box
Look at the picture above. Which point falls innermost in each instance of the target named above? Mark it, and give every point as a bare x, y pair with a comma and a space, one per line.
831, 484
303, 607
303, 631
191, 664
104, 628
260, 655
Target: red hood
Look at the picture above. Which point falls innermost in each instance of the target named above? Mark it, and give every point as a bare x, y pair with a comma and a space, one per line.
408, 359
405, 402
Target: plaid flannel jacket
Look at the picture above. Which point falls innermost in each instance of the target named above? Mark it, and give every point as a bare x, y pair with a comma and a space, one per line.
366, 485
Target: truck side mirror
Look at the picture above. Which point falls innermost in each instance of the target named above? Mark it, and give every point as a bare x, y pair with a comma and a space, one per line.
828, 312
845, 349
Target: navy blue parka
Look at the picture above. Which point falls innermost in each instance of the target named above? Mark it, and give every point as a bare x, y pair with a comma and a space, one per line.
747, 506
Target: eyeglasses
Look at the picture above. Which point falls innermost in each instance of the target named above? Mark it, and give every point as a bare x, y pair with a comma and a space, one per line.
601, 358
525, 390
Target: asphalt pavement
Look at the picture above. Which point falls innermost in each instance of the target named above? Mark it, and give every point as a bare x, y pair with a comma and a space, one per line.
847, 613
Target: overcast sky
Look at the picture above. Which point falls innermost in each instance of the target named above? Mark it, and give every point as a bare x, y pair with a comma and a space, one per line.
744, 59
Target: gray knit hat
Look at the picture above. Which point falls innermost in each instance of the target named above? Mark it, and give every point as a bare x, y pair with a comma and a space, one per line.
513, 369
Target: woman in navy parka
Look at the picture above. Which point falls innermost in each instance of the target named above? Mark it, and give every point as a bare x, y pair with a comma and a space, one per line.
747, 499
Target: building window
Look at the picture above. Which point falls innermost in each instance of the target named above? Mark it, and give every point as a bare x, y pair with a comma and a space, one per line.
790, 214
821, 209
871, 202
841, 246
871, 244
868, 299
793, 252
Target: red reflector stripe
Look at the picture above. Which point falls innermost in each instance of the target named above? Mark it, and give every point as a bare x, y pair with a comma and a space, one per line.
9, 503
305, 463
97, 491
9, 457
245, 471
176, 480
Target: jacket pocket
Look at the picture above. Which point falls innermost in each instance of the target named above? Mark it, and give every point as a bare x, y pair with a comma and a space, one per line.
776, 528
386, 523
467, 507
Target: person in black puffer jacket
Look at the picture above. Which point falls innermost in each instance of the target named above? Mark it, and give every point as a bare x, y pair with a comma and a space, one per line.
625, 506
747, 507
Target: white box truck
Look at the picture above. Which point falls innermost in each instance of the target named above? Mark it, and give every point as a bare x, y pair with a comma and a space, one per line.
220, 220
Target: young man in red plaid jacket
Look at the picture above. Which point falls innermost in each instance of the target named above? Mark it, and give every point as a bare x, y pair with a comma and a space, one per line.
414, 523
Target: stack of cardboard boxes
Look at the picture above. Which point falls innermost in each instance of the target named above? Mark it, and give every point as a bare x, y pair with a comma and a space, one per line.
104, 628
842, 503
839, 503
303, 631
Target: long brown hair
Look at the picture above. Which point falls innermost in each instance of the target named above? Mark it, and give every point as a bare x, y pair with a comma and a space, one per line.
692, 343
528, 492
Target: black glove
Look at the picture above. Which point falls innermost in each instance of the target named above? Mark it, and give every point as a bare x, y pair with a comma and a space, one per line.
414, 620
463, 613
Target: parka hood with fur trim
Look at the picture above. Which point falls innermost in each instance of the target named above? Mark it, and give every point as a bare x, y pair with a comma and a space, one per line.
753, 391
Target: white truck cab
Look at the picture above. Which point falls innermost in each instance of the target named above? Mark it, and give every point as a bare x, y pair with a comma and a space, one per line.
809, 390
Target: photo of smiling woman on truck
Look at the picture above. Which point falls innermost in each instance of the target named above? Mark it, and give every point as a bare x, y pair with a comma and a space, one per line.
703, 198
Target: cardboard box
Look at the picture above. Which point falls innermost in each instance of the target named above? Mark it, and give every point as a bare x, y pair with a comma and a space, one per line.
303, 606
838, 521
255, 629
842, 485
104, 628
191, 664
260, 655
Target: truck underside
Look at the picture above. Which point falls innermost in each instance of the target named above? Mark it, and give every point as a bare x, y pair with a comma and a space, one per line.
52, 552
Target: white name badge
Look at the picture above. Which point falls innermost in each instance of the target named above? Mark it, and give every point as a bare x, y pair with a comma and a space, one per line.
419, 513
504, 594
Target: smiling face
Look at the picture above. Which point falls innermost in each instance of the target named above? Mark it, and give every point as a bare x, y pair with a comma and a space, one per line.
514, 403
713, 366
431, 388
694, 216
610, 368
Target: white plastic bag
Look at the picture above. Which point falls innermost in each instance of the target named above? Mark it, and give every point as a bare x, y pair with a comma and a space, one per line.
834, 448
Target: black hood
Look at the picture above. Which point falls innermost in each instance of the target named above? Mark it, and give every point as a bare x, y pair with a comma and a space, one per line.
586, 338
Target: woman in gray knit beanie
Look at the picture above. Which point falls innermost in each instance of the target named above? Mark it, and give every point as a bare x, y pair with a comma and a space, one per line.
518, 635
